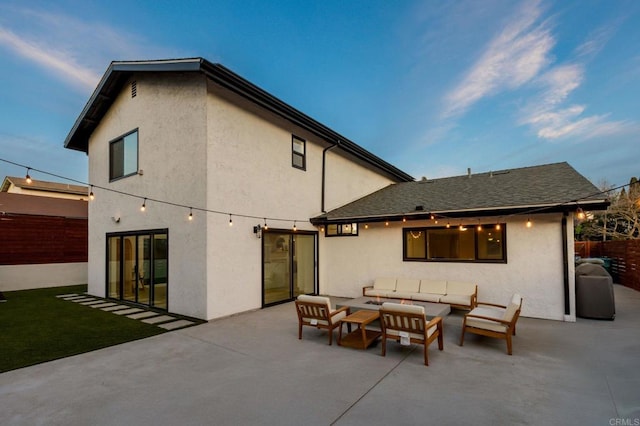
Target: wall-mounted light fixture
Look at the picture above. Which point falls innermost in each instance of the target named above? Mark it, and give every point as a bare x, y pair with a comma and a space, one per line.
258, 231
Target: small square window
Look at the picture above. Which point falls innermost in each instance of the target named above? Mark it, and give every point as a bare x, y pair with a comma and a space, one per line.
298, 157
123, 156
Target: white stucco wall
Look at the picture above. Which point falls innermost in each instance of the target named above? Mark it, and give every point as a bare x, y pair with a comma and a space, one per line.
250, 172
24, 277
169, 113
534, 265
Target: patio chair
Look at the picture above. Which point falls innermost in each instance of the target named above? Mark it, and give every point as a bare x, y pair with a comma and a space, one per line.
408, 324
315, 311
492, 320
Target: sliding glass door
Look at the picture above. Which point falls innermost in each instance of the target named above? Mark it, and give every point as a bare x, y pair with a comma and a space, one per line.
289, 265
137, 267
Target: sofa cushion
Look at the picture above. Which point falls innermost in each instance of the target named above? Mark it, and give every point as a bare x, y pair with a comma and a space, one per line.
376, 293
402, 295
460, 287
433, 286
427, 297
388, 284
489, 312
404, 285
456, 299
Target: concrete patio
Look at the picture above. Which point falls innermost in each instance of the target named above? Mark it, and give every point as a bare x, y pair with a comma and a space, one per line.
251, 369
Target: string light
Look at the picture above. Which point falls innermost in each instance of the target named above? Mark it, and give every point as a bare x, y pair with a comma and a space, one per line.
448, 225
386, 223
366, 226
91, 196
230, 220
143, 207
529, 224
294, 226
433, 217
190, 213
265, 227
479, 228
498, 227
27, 177
404, 219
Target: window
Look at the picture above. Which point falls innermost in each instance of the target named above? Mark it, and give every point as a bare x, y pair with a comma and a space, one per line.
298, 157
342, 229
482, 243
123, 156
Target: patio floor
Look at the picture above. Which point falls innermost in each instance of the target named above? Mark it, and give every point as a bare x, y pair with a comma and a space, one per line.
252, 369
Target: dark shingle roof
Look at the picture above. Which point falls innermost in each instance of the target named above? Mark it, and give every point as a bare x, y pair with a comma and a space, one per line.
552, 187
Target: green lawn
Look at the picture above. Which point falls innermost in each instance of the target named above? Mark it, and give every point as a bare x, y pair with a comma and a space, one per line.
36, 327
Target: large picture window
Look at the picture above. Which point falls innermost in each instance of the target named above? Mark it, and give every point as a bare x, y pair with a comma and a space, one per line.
482, 243
123, 156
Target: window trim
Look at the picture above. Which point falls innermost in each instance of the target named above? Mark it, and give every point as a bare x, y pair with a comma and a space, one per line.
118, 139
425, 229
295, 154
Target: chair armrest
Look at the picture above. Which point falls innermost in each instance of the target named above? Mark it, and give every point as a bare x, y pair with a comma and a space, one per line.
492, 304
366, 288
501, 321
337, 311
435, 321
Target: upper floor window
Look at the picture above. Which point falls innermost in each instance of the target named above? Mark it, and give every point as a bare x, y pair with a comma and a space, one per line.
123, 156
481, 243
298, 156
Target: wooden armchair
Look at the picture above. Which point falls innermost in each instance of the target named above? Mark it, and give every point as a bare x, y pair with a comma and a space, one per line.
315, 311
408, 323
492, 320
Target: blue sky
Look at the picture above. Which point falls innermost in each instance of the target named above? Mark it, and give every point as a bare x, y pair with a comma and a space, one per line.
433, 87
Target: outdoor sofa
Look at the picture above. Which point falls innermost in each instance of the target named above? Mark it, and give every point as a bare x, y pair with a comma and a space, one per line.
458, 294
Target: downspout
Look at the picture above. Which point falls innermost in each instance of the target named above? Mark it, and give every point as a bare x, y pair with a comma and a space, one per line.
565, 258
324, 160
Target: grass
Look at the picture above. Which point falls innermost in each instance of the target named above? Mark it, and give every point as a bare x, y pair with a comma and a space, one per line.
36, 327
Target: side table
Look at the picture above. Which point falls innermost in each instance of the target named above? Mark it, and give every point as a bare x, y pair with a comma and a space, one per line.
360, 338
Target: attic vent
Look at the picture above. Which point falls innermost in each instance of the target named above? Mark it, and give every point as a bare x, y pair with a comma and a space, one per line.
134, 88
419, 208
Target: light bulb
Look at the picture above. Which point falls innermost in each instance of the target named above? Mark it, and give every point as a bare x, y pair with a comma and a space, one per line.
190, 213
529, 224
230, 221
143, 207
28, 178
91, 196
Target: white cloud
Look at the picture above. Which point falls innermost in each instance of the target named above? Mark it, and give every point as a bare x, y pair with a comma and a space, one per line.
55, 61
73, 50
511, 59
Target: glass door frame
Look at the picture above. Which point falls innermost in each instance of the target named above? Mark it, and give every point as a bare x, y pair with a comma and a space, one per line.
122, 270
291, 234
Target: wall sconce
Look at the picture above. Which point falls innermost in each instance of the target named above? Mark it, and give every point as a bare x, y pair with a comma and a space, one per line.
258, 231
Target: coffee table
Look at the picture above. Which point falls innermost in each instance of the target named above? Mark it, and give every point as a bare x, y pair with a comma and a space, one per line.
361, 338
431, 310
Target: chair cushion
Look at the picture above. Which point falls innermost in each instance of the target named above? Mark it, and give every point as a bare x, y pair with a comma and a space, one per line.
427, 297
401, 307
337, 317
456, 299
460, 287
489, 312
407, 285
385, 284
433, 286
430, 331
315, 299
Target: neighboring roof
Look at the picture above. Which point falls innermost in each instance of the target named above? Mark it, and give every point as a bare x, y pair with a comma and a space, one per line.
546, 188
19, 204
41, 185
119, 72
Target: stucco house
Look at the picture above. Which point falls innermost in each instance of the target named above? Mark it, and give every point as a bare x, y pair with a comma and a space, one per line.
509, 231
223, 152
213, 197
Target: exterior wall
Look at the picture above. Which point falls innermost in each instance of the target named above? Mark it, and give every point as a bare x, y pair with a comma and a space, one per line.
250, 172
25, 277
169, 112
535, 267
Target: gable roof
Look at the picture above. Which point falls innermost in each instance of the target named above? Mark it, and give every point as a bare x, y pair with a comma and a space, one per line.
44, 186
546, 188
120, 71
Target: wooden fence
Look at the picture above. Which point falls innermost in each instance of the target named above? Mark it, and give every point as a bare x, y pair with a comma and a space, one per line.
624, 255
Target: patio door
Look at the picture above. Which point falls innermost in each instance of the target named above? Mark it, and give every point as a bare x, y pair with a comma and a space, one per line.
137, 268
289, 265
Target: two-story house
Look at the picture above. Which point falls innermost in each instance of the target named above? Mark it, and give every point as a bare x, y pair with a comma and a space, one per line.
242, 172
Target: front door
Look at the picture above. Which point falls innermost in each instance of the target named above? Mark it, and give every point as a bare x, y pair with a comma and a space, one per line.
289, 265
